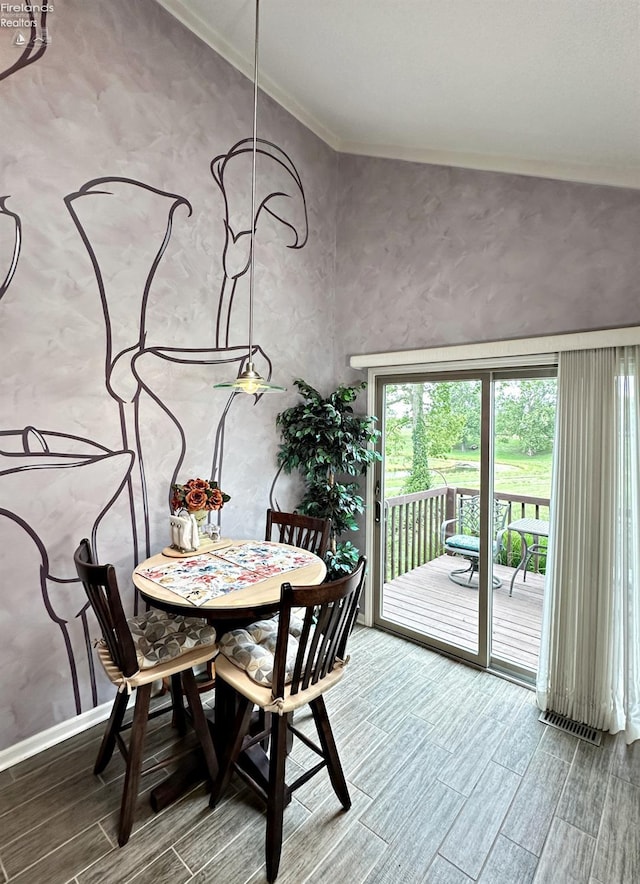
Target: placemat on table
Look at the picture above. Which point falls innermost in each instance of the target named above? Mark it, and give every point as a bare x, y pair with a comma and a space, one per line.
200, 578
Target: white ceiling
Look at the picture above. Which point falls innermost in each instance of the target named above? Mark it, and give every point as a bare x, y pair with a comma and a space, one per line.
541, 87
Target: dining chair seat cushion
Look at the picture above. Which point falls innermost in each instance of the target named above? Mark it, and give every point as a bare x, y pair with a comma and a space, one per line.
262, 695
160, 637
252, 648
197, 656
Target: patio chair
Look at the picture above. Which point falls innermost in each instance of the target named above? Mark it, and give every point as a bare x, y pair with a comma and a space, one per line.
465, 541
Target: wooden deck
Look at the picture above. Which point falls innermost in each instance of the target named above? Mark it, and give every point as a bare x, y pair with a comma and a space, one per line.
427, 602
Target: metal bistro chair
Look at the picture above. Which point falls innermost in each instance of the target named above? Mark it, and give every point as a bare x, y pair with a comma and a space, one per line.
466, 539
307, 532
280, 666
136, 652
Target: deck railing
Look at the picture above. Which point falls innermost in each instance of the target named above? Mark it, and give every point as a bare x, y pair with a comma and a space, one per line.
413, 523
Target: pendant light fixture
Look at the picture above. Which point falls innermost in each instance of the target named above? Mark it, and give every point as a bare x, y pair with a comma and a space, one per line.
249, 380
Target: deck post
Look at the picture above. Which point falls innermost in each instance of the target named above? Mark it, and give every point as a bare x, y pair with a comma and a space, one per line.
450, 510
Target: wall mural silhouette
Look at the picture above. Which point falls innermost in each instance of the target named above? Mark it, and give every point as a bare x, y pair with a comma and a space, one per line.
13, 222
35, 44
139, 377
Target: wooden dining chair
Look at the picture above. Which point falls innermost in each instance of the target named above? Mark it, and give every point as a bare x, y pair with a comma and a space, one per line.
134, 653
279, 666
307, 532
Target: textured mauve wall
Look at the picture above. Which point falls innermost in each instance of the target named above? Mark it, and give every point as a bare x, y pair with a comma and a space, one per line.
113, 365
429, 256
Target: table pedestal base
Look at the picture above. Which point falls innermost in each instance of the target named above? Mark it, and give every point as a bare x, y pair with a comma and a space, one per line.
253, 761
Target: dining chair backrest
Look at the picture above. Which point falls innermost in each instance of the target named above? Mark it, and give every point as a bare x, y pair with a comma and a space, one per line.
329, 613
101, 586
306, 532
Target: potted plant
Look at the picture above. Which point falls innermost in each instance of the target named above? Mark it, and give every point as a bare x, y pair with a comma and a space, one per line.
327, 442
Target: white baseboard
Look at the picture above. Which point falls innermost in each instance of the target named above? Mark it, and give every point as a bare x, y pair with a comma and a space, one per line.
54, 735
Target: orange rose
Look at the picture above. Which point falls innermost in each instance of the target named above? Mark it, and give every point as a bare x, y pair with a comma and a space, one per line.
196, 499
197, 485
215, 500
176, 502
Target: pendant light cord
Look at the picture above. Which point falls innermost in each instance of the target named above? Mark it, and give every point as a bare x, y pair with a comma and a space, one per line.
249, 380
253, 180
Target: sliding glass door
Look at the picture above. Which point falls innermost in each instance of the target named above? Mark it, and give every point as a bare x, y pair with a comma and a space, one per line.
431, 553
465, 455
522, 453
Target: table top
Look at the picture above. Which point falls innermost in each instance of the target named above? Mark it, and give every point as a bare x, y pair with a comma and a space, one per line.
530, 526
250, 601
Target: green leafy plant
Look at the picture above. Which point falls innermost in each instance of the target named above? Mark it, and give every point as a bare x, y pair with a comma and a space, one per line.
327, 442
343, 561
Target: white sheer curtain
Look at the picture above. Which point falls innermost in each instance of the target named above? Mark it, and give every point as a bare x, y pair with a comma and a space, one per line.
590, 654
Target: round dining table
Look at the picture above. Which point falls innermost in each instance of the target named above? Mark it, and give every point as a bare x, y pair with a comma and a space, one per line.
228, 610
251, 602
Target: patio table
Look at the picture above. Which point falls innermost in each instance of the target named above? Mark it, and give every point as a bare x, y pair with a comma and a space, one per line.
536, 527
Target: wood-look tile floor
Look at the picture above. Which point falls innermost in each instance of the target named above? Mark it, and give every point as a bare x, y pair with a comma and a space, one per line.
452, 778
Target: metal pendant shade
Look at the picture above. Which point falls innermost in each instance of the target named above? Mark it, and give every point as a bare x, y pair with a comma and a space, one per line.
249, 380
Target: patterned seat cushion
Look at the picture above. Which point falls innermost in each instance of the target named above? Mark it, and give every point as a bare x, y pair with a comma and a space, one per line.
252, 648
160, 637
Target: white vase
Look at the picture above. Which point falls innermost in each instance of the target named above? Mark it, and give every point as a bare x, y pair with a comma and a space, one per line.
201, 518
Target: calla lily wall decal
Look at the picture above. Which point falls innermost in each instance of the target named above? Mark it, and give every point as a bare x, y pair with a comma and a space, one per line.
31, 38
14, 228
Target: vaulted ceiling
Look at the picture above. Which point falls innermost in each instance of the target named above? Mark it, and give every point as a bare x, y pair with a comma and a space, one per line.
541, 87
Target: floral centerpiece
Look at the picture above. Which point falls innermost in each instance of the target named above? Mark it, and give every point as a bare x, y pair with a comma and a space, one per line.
197, 495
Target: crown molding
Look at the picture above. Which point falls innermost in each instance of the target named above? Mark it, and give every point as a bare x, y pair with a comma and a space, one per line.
180, 10
583, 174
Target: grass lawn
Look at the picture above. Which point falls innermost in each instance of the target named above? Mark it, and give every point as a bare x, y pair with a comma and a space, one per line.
514, 472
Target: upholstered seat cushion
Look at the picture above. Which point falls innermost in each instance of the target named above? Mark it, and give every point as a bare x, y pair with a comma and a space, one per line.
252, 649
465, 542
160, 637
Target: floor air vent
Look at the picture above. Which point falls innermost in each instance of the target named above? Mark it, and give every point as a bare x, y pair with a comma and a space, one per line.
575, 728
